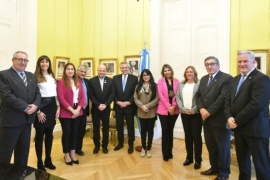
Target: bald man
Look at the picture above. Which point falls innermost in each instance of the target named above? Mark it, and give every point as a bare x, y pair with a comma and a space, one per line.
101, 93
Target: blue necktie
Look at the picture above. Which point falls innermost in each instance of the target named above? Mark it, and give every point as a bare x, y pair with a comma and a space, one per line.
85, 92
124, 83
210, 80
240, 83
24, 78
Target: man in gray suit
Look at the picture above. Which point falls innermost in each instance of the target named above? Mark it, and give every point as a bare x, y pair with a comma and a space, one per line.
210, 100
20, 98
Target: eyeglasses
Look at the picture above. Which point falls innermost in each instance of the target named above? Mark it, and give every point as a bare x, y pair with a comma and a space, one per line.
209, 64
22, 60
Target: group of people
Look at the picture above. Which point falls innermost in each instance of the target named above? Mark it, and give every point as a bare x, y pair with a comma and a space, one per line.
218, 102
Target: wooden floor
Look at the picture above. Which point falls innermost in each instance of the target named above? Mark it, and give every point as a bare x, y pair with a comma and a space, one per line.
120, 165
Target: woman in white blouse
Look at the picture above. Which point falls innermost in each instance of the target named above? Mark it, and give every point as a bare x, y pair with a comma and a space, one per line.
48, 111
190, 116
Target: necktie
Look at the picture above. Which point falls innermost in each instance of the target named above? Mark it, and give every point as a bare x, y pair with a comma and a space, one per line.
124, 82
24, 78
101, 83
210, 80
85, 92
240, 83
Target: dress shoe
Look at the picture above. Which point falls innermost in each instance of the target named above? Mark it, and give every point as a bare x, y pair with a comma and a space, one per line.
105, 150
165, 159
209, 172
221, 178
138, 148
40, 166
187, 162
143, 152
118, 147
170, 156
149, 154
80, 153
130, 149
75, 162
95, 151
68, 163
48, 164
197, 165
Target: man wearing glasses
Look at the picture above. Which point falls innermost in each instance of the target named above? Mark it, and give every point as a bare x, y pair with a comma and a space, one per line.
210, 100
20, 98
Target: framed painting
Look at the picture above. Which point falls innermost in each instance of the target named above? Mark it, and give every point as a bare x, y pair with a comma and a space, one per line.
111, 65
134, 62
60, 62
262, 60
89, 63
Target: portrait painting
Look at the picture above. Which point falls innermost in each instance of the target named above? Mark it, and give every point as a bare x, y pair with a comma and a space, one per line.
133, 62
110, 64
60, 62
89, 63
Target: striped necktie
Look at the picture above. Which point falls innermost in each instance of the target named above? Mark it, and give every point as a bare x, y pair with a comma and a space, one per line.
24, 78
210, 80
240, 83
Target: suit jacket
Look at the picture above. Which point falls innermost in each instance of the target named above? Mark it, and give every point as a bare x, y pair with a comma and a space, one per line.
180, 101
131, 83
15, 97
250, 107
65, 96
97, 96
212, 98
163, 95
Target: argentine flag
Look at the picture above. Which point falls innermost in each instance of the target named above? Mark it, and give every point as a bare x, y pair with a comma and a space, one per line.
145, 60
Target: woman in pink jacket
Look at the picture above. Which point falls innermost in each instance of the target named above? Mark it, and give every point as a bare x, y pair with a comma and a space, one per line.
167, 110
71, 98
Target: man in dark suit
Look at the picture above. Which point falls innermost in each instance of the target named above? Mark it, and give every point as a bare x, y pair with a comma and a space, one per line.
210, 100
101, 92
124, 106
247, 112
81, 73
20, 98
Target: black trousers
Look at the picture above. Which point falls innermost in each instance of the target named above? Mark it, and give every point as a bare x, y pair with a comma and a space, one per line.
40, 132
15, 139
167, 125
218, 144
193, 128
70, 129
256, 147
147, 127
105, 118
129, 117
48, 107
81, 131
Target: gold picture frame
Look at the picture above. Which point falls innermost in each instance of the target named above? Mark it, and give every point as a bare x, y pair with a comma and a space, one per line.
111, 65
59, 63
134, 63
262, 57
89, 63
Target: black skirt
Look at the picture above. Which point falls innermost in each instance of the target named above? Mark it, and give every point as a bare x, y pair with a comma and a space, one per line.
48, 107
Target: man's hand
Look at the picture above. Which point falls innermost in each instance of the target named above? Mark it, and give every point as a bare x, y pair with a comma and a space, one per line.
32, 109
231, 123
204, 113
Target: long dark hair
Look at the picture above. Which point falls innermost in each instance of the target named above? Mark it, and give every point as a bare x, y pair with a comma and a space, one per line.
152, 83
38, 71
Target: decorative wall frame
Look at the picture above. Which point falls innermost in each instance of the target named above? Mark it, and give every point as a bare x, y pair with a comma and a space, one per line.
59, 63
111, 65
262, 57
89, 63
134, 62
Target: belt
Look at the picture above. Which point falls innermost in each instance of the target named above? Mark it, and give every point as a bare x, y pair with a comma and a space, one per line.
75, 105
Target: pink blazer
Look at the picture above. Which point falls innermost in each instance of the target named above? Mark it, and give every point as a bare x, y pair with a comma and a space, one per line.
65, 96
163, 95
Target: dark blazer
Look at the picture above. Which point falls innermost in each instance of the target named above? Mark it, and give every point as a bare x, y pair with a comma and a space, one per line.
15, 97
88, 95
131, 83
97, 96
250, 107
213, 97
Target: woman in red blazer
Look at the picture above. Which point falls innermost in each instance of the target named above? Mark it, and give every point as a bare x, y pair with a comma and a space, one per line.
167, 110
71, 98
